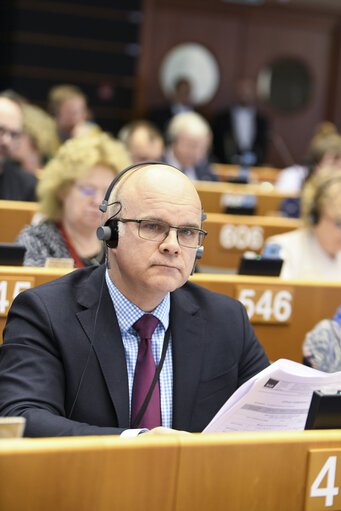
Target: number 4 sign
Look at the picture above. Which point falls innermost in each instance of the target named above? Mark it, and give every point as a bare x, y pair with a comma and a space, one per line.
323, 481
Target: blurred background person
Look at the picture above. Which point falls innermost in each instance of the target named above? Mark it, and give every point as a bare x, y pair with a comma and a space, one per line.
68, 104
180, 101
72, 186
324, 151
39, 140
189, 139
314, 250
15, 183
322, 345
241, 132
143, 141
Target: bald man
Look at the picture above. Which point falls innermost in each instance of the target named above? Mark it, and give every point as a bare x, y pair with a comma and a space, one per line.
71, 349
15, 183
143, 141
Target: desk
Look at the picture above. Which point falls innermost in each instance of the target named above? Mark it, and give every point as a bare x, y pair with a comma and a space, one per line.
14, 279
229, 236
257, 174
14, 215
281, 311
213, 196
220, 472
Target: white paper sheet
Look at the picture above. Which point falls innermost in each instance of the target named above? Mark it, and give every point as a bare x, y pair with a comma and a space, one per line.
276, 399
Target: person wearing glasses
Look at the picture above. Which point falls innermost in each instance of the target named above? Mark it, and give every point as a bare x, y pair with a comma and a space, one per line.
15, 183
129, 347
314, 250
70, 190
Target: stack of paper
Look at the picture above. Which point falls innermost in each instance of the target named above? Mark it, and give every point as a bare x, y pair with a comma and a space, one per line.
276, 399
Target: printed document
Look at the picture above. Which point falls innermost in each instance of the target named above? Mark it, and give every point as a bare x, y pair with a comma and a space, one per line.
276, 399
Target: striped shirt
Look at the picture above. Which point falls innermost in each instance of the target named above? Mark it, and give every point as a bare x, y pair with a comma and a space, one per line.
127, 314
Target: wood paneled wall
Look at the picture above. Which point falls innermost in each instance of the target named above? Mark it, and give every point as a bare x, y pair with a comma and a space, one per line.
244, 40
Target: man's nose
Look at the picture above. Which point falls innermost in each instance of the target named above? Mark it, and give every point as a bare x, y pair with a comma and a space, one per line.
170, 244
6, 138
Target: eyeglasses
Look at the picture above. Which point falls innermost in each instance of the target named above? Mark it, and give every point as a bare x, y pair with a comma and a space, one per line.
12, 133
89, 191
154, 230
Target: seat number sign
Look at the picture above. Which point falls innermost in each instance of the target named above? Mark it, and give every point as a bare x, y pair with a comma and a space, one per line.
10, 287
323, 490
267, 304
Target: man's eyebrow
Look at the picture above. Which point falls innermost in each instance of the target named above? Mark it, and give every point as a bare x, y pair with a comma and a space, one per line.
158, 219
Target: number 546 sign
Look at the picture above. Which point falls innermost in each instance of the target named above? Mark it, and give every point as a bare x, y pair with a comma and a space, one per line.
266, 304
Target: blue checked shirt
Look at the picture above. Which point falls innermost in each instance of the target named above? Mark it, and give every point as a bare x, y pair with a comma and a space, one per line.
127, 314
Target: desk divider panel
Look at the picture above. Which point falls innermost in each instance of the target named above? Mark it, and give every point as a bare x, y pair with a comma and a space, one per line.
232, 471
14, 215
281, 311
214, 195
229, 236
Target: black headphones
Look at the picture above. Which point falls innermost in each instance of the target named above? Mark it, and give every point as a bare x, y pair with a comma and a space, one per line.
314, 214
108, 232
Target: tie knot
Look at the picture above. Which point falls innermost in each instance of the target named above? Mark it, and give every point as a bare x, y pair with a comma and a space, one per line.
146, 325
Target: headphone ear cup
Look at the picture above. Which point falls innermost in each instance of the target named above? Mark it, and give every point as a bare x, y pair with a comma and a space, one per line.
109, 233
199, 253
113, 241
313, 216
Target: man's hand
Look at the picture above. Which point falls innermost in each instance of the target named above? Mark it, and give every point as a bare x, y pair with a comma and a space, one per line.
164, 431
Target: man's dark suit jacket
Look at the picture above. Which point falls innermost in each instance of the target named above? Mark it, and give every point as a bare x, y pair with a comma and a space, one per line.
16, 183
203, 169
226, 145
53, 329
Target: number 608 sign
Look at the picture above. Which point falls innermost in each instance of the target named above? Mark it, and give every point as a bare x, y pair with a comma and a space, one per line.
266, 304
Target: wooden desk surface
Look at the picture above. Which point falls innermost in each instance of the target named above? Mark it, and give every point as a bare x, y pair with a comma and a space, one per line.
14, 215
229, 236
256, 174
213, 195
238, 471
281, 311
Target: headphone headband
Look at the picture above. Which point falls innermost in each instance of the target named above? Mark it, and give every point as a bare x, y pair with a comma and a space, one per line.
104, 205
314, 212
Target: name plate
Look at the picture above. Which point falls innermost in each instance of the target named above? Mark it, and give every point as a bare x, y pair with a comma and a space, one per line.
267, 304
241, 237
10, 287
323, 490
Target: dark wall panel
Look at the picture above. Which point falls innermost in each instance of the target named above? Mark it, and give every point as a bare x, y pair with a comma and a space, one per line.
94, 45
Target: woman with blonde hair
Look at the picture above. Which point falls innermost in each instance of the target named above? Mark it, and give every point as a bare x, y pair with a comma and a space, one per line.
324, 151
70, 190
314, 251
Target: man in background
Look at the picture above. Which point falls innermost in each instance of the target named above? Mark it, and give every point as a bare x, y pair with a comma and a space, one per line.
179, 102
143, 141
190, 137
15, 183
68, 104
241, 131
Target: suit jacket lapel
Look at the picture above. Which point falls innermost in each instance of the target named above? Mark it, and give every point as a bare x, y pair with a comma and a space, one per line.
188, 334
99, 322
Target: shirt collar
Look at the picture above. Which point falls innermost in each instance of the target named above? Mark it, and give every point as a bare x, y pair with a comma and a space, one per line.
172, 160
127, 313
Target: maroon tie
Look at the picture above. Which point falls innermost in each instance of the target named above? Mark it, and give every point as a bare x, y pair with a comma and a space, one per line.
144, 374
